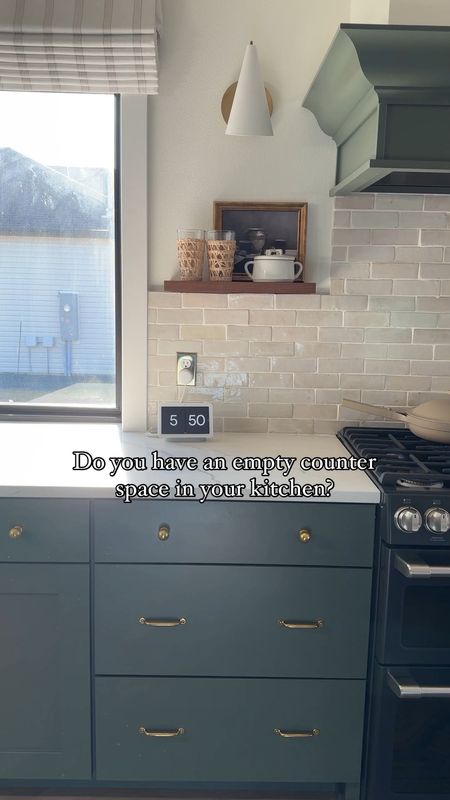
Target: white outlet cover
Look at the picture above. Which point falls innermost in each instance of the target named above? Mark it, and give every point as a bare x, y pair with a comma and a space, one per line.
186, 369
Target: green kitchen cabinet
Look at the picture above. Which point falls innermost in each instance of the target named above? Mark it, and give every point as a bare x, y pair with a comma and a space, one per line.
44, 530
229, 730
224, 645
231, 643
44, 671
233, 620
233, 532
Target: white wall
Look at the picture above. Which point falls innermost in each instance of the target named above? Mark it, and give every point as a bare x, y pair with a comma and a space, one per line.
370, 12
400, 12
192, 162
420, 12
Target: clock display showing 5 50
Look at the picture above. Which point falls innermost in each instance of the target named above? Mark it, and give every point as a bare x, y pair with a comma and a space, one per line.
183, 421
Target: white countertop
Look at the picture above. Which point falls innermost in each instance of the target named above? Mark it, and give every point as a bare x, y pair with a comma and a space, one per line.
36, 460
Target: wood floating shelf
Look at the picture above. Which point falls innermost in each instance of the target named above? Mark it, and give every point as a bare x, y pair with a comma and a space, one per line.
241, 287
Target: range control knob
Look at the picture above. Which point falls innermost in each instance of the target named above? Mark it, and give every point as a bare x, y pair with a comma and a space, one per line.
437, 520
408, 519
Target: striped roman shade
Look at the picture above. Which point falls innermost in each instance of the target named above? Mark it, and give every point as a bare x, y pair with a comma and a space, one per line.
79, 46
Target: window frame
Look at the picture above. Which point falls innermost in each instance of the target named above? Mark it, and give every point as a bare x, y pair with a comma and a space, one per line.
134, 240
130, 230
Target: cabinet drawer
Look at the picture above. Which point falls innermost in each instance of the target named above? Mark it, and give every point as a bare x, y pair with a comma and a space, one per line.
44, 530
228, 730
234, 532
225, 620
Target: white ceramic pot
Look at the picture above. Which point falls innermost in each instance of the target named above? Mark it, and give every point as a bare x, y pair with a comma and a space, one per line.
274, 268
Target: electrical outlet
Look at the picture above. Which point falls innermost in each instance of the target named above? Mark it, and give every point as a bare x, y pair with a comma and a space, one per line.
186, 369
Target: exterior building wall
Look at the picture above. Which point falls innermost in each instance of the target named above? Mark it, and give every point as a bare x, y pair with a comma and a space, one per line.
33, 270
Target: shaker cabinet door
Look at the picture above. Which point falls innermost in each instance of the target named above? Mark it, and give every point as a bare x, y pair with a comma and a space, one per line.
44, 671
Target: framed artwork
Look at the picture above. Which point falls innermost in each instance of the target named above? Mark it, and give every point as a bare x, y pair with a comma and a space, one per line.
262, 226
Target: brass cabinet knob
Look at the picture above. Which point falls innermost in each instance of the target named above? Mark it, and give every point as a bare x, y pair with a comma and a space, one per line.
15, 532
304, 535
163, 532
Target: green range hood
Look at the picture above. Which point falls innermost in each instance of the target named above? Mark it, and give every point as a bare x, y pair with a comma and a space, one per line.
383, 94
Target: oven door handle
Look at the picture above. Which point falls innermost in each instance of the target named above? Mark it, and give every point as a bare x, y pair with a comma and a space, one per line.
420, 569
407, 689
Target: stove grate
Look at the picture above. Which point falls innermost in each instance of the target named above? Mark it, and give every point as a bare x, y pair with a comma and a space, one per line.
400, 454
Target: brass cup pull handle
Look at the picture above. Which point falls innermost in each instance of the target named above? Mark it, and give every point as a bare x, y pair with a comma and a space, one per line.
169, 734
162, 623
317, 623
296, 734
15, 531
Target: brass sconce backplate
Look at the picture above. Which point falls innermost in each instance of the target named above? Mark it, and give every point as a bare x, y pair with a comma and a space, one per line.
227, 101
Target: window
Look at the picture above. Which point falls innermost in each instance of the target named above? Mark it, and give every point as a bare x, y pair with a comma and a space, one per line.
59, 254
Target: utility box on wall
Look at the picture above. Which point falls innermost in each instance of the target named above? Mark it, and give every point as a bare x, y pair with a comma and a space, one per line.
68, 316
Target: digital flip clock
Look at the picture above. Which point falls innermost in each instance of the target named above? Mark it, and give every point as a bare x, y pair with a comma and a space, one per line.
185, 421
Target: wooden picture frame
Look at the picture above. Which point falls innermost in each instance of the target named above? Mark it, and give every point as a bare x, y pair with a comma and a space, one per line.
288, 220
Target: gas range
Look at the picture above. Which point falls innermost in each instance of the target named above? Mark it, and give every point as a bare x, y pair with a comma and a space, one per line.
408, 705
413, 476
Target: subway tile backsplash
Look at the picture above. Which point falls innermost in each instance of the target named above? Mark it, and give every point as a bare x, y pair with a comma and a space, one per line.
283, 363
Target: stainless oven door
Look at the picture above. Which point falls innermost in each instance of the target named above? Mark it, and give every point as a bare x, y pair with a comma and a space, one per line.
413, 625
408, 753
